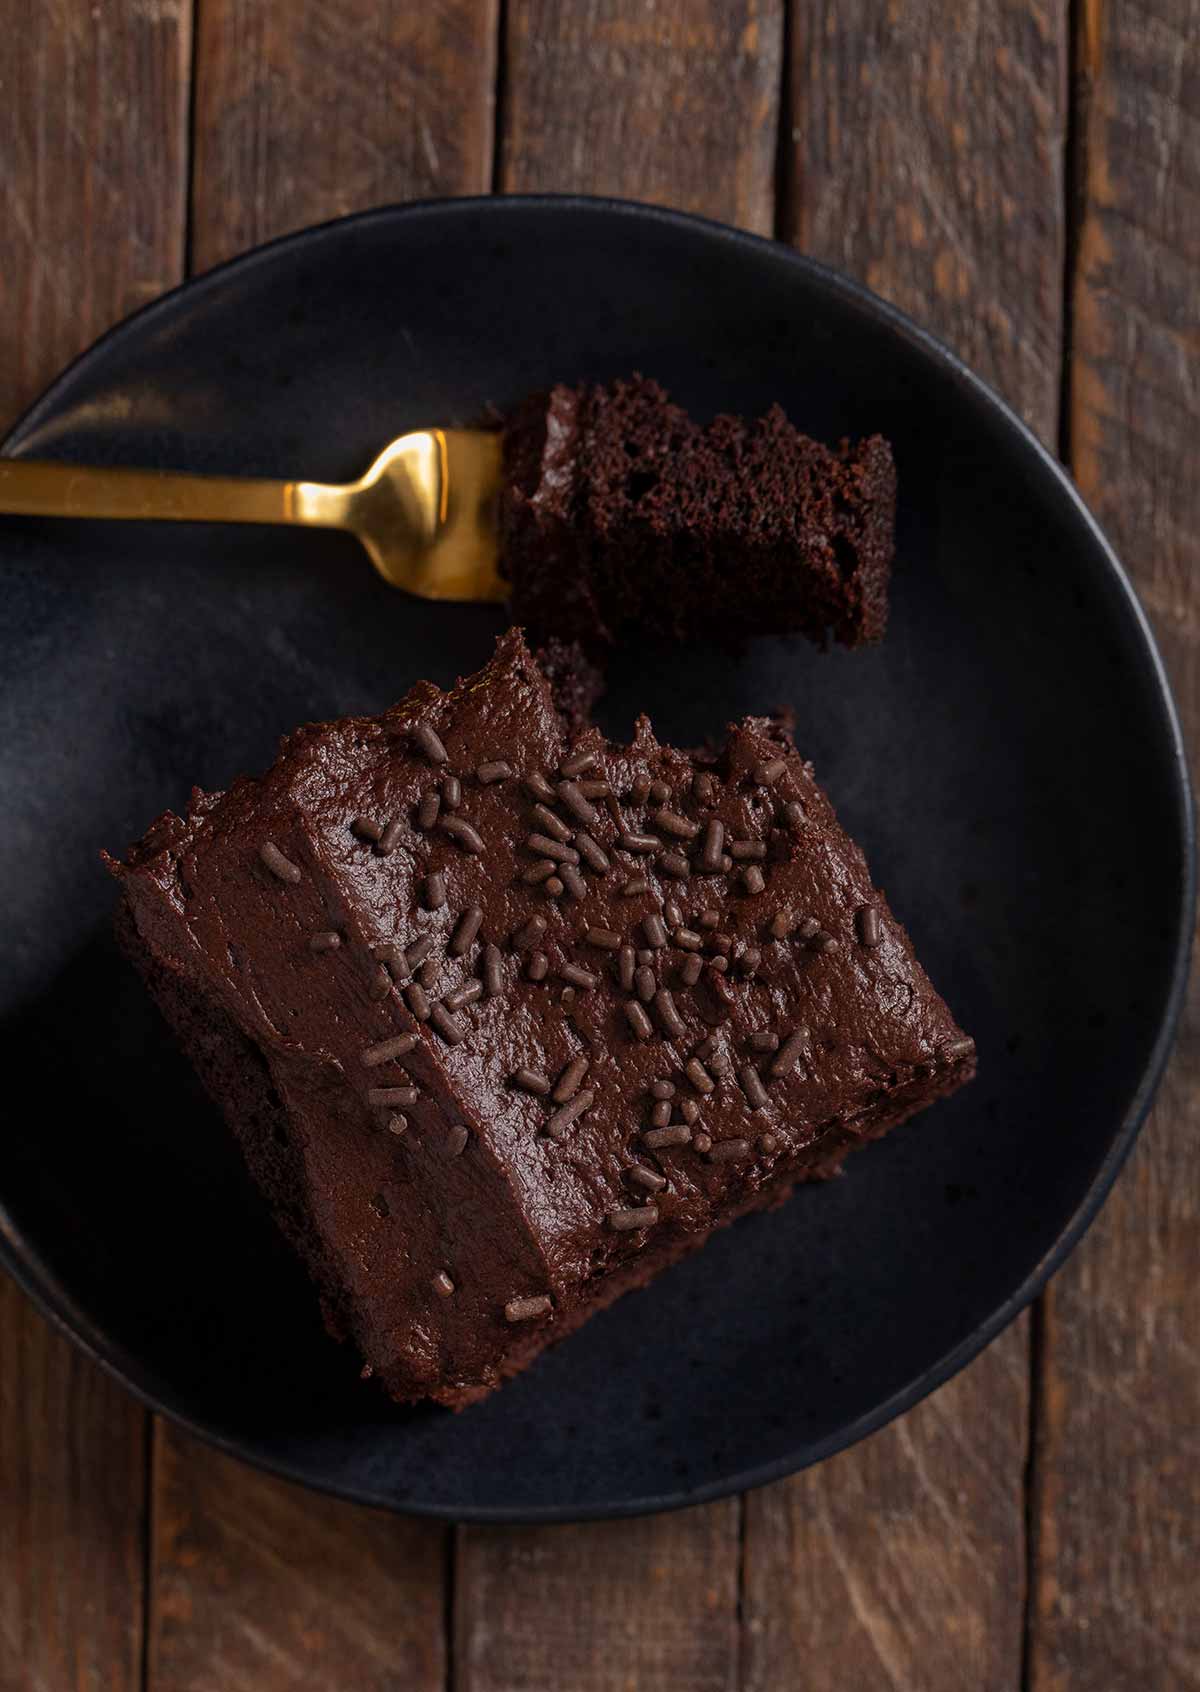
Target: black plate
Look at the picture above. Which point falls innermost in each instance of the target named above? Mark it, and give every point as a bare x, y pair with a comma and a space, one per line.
1010, 758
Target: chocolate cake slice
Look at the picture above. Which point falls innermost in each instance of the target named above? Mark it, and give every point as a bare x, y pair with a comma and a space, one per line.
506, 1021
619, 512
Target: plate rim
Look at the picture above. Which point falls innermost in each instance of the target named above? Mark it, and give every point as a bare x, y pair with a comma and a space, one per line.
38, 1281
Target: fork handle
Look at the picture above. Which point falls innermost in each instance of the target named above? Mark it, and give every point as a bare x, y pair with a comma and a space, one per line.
37, 489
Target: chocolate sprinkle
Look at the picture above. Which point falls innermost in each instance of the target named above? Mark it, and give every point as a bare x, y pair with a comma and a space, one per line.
391, 1096
443, 1286
743, 850
752, 879
672, 823
690, 1111
416, 954
654, 929
688, 939
529, 1081
604, 938
575, 802
714, 842
577, 763
552, 823
570, 1079
870, 930
953, 1049
625, 968
640, 790
569, 1113
380, 984
428, 973
493, 981
795, 1047
752, 1087
429, 809
793, 813
457, 1140
397, 1124
660, 1115
464, 834
278, 865
674, 863
429, 743
366, 828
703, 1142
638, 1020
659, 791
781, 925
642, 1176
646, 956
646, 983
768, 1143
699, 1077
572, 880
541, 871
538, 967
417, 1001
387, 1050
435, 890
590, 852
808, 928
578, 976
662, 1089
704, 787
823, 942
567, 1000
525, 1309
328, 941
639, 842
720, 963
532, 932
545, 847
595, 790
390, 838
770, 771
554, 884
636, 884
464, 995
469, 924
689, 971
452, 1032
537, 787
670, 1018
750, 960
720, 942
497, 771
672, 915
655, 1138
730, 1151
625, 1221
765, 1040
708, 919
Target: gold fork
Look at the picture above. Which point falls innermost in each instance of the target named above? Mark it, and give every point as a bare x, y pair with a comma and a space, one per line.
425, 511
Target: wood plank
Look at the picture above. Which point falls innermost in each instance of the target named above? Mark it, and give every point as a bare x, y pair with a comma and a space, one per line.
92, 134
650, 99
307, 111
1114, 1599
93, 128
258, 1585
677, 103
650, 1604
72, 1514
925, 154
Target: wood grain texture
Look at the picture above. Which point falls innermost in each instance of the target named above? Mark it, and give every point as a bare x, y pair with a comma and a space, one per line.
924, 156
93, 123
651, 1604
1116, 1601
258, 1585
72, 1514
650, 99
92, 173
307, 111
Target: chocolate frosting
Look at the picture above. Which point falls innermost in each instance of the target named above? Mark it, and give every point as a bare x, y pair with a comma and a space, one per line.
456, 1215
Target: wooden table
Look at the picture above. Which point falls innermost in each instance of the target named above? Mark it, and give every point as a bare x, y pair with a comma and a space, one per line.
1024, 177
